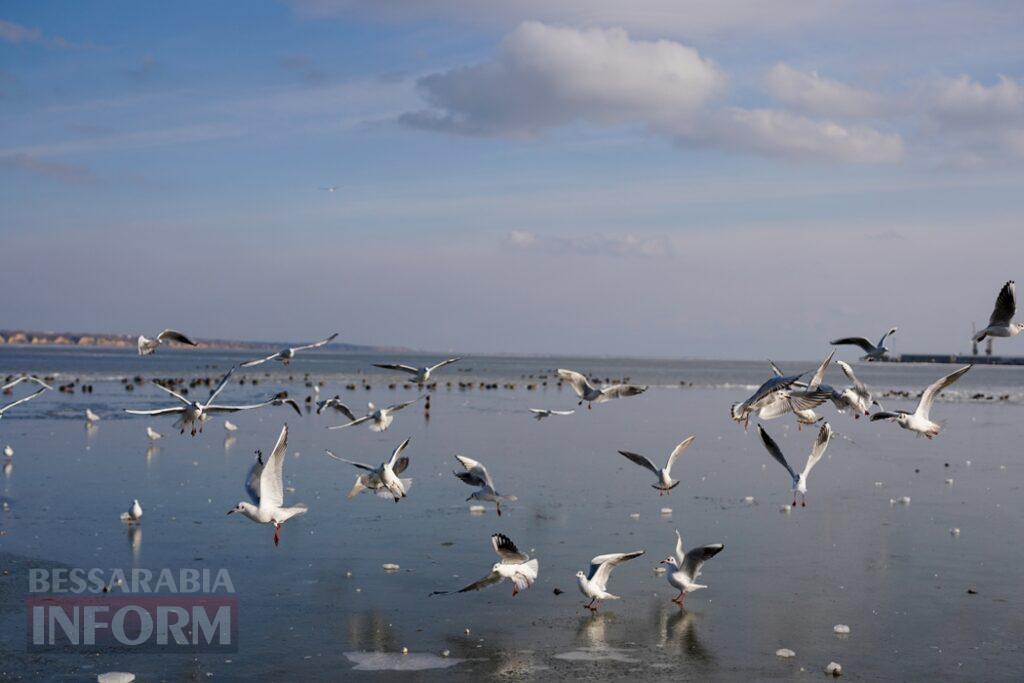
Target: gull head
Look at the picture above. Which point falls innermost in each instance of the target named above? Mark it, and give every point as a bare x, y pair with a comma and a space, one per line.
670, 560
246, 508
580, 575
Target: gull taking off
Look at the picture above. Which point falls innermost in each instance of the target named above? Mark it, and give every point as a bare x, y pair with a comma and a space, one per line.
541, 413
148, 346
269, 495
665, 482
918, 421
419, 375
799, 480
476, 475
382, 480
515, 566
1001, 324
379, 418
871, 351
286, 355
192, 414
766, 395
594, 584
591, 394
687, 567
134, 513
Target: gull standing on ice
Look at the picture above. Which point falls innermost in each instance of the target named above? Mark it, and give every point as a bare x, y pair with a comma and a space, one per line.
153, 434
134, 513
1001, 324
269, 506
594, 584
419, 375
687, 567
382, 480
379, 418
515, 566
286, 355
799, 480
476, 475
918, 421
665, 482
148, 346
766, 395
591, 394
871, 351
541, 413
91, 417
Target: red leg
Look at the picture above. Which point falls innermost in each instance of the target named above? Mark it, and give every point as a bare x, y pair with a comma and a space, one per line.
277, 536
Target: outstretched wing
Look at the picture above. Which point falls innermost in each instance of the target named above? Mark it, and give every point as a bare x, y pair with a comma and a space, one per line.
601, 567
272, 476
1006, 305
25, 378
620, 391
252, 480
882, 340
856, 341
776, 452
173, 393
489, 580
679, 548
316, 345
398, 406
475, 474
158, 411
355, 464
259, 361
642, 461
696, 558
683, 445
775, 368
23, 400
223, 383
443, 363
354, 422
394, 456
884, 415
928, 397
577, 381
507, 550
848, 371
820, 445
819, 374
397, 366
174, 335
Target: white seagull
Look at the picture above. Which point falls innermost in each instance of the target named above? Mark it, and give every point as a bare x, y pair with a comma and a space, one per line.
594, 584
230, 426
687, 567
194, 413
23, 399
379, 418
918, 421
153, 434
269, 508
1001, 324
871, 351
91, 417
514, 565
24, 378
134, 513
800, 399
665, 482
382, 480
766, 395
857, 397
799, 480
591, 394
541, 413
476, 475
286, 355
333, 402
148, 346
419, 375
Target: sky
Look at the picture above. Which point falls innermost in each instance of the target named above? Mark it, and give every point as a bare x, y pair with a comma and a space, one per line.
736, 179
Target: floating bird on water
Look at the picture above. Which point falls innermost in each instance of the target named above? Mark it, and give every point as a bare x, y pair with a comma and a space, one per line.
799, 480
591, 394
665, 482
871, 351
134, 513
379, 418
419, 375
382, 480
1001, 324
268, 504
541, 413
514, 565
767, 394
919, 421
148, 346
476, 475
687, 567
594, 584
286, 355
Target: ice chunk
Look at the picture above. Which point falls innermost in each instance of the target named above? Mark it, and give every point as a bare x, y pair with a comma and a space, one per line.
8, 451
786, 508
634, 515
785, 653
834, 669
666, 511
949, 482
116, 677
841, 629
748, 500
477, 509
389, 567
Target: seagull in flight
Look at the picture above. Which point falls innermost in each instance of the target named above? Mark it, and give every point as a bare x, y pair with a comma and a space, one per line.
594, 584
541, 413
799, 480
766, 395
148, 346
383, 480
268, 502
379, 418
918, 421
23, 399
330, 188
857, 397
665, 482
513, 565
333, 402
687, 567
871, 351
286, 355
1000, 323
477, 475
801, 399
419, 375
591, 394
24, 378
192, 414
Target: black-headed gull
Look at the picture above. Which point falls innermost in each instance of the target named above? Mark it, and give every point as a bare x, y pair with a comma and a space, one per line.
476, 475
687, 567
541, 413
382, 480
514, 565
594, 584
591, 394
664, 474
336, 403
148, 346
379, 418
857, 397
286, 355
419, 375
270, 506
918, 421
766, 395
799, 479
800, 399
871, 351
134, 513
1000, 323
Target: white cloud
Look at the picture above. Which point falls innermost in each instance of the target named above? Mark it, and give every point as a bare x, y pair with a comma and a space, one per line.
966, 102
592, 245
813, 94
11, 32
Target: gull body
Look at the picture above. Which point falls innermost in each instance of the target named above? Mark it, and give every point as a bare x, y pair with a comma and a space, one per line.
286, 355
871, 351
766, 395
665, 482
268, 507
419, 375
920, 421
91, 417
476, 474
594, 584
1000, 323
856, 398
800, 399
799, 479
513, 565
541, 413
148, 346
686, 567
134, 513
383, 480
378, 418
153, 434
590, 394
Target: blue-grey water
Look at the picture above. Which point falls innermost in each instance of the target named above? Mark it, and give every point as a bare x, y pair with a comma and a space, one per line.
320, 605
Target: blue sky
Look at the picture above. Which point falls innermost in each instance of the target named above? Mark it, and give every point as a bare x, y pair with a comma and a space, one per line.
724, 179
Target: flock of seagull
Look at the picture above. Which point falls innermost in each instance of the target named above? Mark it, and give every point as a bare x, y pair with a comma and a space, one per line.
778, 396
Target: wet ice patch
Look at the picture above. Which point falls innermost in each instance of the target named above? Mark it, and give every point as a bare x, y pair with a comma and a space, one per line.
396, 661
598, 654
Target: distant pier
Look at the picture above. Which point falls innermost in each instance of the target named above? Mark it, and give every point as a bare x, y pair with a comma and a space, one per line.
955, 359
